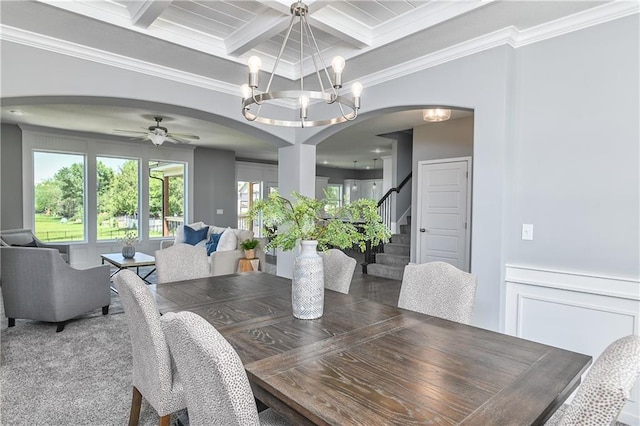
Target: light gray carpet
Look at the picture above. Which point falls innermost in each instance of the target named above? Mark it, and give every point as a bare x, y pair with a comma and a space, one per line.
81, 376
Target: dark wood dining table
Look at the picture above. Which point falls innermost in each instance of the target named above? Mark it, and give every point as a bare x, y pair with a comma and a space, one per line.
364, 363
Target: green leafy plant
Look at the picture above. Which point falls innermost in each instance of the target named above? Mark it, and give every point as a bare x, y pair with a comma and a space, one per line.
305, 219
249, 244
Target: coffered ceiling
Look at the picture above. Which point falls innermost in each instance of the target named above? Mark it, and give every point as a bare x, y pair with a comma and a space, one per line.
211, 40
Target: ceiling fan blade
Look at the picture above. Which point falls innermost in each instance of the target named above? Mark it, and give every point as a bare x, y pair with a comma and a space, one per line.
129, 131
184, 135
174, 139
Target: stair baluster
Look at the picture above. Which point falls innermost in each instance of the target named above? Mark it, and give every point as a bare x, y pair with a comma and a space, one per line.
389, 262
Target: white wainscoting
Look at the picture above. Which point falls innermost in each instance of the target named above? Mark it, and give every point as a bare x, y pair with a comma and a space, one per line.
574, 311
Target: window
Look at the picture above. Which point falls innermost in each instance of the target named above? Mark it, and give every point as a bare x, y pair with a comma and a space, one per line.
59, 194
334, 197
248, 193
166, 197
118, 197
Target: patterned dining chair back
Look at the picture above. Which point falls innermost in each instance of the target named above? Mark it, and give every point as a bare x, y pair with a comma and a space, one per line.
438, 289
216, 385
153, 376
181, 262
606, 387
338, 270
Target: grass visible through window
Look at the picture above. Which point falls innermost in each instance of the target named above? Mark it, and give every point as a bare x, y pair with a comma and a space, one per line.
50, 228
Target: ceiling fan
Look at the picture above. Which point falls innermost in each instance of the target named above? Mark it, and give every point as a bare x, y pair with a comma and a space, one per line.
158, 134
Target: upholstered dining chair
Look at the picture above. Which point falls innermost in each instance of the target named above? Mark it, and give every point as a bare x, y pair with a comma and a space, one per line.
438, 289
154, 376
216, 386
181, 262
338, 270
606, 387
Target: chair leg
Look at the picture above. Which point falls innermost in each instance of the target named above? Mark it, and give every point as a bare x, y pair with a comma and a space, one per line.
12, 322
165, 420
60, 326
105, 310
136, 402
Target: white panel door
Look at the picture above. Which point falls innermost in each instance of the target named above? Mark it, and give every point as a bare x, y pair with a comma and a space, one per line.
442, 231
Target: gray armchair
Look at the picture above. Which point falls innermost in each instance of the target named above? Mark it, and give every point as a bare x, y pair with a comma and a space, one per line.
37, 284
26, 238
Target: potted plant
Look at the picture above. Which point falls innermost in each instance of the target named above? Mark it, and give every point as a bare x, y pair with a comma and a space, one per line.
249, 247
129, 239
305, 221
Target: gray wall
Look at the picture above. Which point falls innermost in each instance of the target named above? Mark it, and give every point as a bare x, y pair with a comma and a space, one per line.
10, 177
403, 150
576, 152
215, 187
447, 139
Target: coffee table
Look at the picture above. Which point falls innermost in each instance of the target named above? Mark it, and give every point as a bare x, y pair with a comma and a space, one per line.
120, 262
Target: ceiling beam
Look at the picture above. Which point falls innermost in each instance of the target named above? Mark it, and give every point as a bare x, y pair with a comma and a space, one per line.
339, 25
145, 12
282, 6
260, 29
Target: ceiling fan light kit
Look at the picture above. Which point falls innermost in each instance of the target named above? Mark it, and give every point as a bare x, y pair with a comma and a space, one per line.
158, 134
253, 100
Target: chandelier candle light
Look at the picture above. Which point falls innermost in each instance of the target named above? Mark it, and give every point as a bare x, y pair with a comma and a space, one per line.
348, 109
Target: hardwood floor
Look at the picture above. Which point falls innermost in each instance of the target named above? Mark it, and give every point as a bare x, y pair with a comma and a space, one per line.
377, 289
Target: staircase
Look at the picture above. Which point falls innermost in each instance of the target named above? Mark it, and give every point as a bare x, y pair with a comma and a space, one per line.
391, 263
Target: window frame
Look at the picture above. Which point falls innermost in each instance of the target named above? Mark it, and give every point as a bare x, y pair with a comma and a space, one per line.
32, 185
139, 201
185, 197
36, 139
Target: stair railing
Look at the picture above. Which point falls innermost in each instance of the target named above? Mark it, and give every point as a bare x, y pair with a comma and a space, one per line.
384, 210
385, 203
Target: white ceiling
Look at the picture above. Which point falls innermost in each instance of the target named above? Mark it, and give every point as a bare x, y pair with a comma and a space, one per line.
213, 39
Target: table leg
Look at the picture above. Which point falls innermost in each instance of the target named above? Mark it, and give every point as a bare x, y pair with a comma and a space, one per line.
147, 276
113, 289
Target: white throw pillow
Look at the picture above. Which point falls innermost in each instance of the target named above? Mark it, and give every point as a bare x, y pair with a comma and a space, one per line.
228, 241
215, 230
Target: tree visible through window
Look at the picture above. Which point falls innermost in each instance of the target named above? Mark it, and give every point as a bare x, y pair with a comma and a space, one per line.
118, 197
59, 193
333, 195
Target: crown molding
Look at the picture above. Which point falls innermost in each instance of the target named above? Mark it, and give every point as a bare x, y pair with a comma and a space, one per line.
75, 50
587, 18
486, 42
510, 36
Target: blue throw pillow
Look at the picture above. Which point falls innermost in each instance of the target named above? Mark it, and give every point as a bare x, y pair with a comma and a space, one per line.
212, 244
193, 237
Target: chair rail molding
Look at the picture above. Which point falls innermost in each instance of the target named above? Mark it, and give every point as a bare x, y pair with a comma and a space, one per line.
576, 311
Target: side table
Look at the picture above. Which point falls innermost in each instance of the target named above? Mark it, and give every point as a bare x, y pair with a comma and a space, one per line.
248, 265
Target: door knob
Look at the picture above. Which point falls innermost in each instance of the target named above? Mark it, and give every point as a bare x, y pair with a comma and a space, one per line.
423, 230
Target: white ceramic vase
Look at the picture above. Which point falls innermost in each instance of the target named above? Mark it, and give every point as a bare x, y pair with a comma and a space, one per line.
307, 293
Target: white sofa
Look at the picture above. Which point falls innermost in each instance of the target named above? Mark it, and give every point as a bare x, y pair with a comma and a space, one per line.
225, 261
